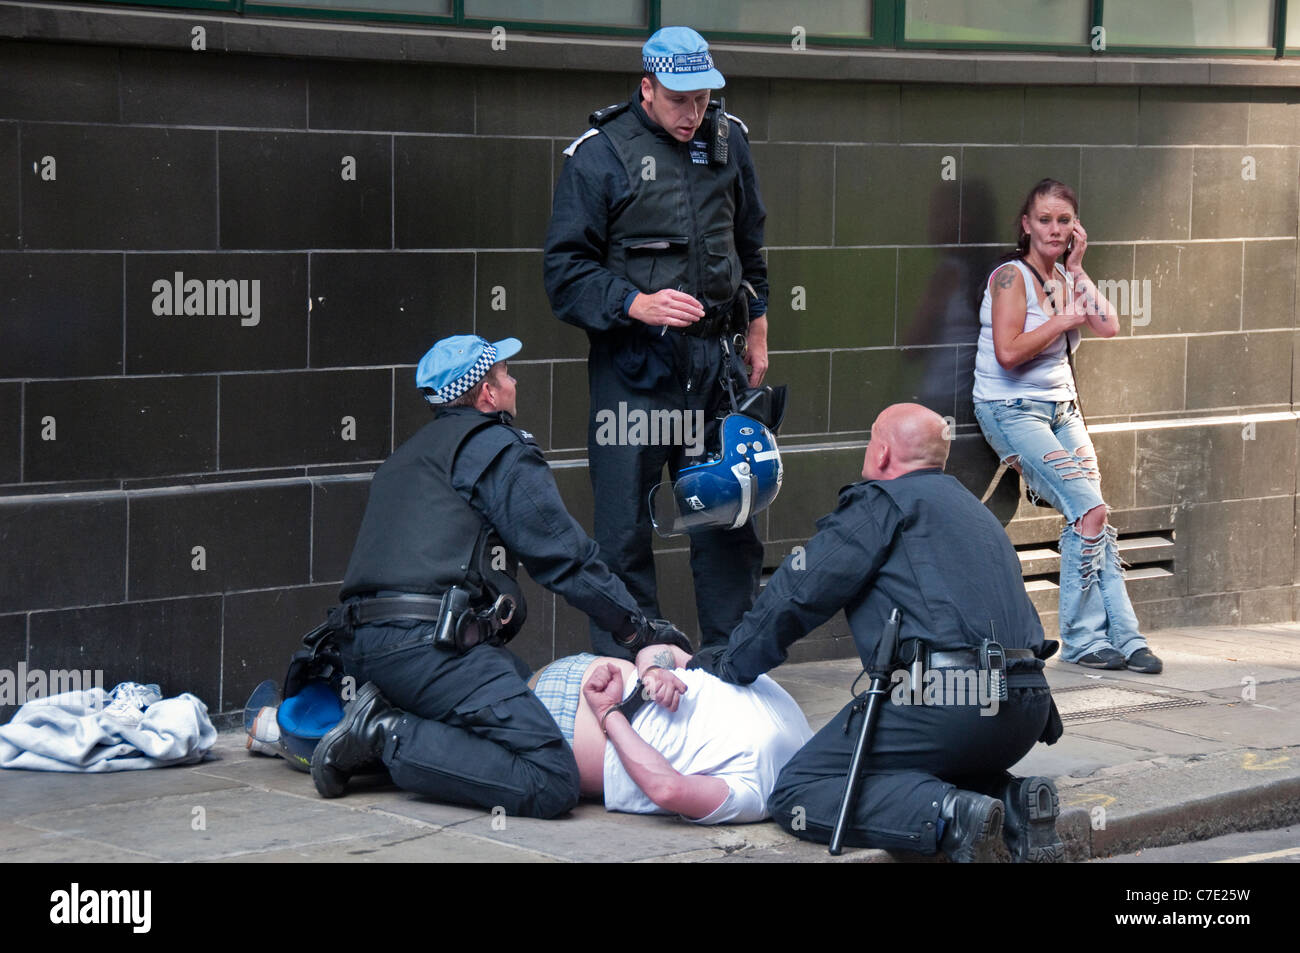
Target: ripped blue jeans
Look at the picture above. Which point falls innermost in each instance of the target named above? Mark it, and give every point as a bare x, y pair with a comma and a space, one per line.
1050, 444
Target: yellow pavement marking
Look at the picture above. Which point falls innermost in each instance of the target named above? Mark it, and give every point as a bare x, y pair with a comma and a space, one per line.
1250, 762
1255, 858
1105, 800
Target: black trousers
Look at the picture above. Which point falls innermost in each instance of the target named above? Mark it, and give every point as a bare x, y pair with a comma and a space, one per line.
725, 564
472, 732
918, 754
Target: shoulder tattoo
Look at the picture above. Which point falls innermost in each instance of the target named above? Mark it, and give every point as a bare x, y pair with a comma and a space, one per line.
1004, 278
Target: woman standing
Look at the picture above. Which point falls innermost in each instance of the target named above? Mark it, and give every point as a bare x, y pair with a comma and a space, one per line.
1025, 402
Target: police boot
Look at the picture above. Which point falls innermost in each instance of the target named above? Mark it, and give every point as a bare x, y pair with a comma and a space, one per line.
972, 824
1032, 806
356, 742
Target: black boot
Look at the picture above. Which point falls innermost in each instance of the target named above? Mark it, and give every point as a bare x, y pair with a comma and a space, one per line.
1032, 806
356, 742
972, 825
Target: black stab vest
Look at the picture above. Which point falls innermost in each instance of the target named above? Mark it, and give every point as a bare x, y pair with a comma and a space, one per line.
687, 205
419, 535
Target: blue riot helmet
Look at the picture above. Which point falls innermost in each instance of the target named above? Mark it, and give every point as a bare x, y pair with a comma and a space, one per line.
304, 719
741, 479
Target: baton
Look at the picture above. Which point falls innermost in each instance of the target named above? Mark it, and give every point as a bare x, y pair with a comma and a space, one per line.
879, 681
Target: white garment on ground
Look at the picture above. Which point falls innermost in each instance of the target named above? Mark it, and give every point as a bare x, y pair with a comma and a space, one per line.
73, 731
742, 734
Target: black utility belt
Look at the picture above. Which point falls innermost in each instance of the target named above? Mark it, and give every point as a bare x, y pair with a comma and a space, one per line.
990, 657
458, 626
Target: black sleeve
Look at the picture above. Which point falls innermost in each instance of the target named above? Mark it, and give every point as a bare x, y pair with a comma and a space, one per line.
517, 494
813, 583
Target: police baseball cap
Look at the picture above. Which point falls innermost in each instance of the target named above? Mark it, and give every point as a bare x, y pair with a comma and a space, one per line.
455, 364
680, 59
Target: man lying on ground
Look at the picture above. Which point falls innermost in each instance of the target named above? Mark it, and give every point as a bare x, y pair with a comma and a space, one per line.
676, 741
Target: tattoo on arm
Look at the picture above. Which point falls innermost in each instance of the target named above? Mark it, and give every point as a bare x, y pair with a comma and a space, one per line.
1003, 279
664, 659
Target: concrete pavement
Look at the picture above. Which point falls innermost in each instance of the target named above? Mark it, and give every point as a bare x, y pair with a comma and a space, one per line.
1208, 747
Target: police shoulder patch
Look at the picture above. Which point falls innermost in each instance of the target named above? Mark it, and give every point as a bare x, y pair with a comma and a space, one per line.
572, 147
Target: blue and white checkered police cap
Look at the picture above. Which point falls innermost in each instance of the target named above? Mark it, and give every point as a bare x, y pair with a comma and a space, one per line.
680, 59
455, 364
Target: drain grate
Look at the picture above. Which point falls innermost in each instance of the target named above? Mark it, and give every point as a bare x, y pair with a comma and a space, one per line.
1097, 703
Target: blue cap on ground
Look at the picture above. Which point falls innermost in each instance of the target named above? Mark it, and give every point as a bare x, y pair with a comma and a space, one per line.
455, 364
680, 59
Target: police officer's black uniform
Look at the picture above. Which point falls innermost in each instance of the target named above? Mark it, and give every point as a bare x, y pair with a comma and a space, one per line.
471, 732
637, 211
923, 543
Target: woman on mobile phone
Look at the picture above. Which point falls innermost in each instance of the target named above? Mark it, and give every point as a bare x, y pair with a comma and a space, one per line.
1026, 403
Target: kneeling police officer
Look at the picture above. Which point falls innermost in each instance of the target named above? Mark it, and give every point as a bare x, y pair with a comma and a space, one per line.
430, 598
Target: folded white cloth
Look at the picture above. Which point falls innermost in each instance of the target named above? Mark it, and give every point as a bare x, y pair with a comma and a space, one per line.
91, 731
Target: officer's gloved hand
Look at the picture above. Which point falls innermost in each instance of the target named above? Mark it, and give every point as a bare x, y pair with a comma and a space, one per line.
653, 632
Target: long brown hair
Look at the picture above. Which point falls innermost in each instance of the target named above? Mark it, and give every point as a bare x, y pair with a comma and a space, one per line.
1045, 187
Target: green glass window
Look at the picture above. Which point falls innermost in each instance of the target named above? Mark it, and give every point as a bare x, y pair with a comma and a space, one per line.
1056, 22
847, 18
1213, 24
630, 13
433, 8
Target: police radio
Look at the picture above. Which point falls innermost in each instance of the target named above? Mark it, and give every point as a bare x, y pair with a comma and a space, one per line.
719, 129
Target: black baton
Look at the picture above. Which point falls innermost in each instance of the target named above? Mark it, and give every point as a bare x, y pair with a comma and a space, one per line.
885, 652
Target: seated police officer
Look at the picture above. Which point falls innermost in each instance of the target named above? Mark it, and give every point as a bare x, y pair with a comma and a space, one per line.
430, 598
935, 776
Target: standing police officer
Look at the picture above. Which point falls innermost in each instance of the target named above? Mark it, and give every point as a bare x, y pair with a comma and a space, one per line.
430, 598
654, 250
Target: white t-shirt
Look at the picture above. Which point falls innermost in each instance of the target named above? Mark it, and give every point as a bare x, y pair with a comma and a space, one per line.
742, 734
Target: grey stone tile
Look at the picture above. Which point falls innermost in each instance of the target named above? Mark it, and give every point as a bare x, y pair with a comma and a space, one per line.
1240, 544
1115, 376
1244, 192
1229, 370
961, 114
53, 82
120, 427
387, 307
509, 102
1269, 464
1193, 287
237, 822
751, 99
261, 631
818, 475
213, 89
1116, 458
510, 301
453, 192
831, 297
1268, 605
807, 376
306, 190
337, 417
876, 192
796, 185
1182, 465
1130, 732
822, 111
1155, 199
1274, 117
865, 382
996, 180
1106, 116
51, 300
570, 405
246, 312
400, 847
149, 188
1186, 116
1269, 285
390, 97
174, 643
29, 793
250, 538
